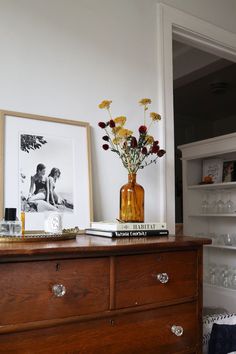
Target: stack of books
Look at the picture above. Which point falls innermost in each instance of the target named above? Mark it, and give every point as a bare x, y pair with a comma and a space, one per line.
119, 229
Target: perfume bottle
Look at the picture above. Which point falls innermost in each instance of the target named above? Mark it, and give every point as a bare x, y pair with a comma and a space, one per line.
10, 225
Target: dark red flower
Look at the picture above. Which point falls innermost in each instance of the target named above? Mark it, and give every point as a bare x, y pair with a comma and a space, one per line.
155, 149
142, 129
112, 124
156, 142
106, 138
144, 150
134, 142
102, 125
161, 153
105, 146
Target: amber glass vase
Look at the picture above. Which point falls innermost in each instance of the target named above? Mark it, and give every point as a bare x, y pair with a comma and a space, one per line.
132, 201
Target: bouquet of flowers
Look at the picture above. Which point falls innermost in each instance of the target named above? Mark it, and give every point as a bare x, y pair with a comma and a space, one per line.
134, 152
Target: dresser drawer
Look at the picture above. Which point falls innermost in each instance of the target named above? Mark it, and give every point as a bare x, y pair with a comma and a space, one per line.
32, 291
140, 279
149, 332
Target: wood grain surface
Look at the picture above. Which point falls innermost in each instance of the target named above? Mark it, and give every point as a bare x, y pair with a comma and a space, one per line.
113, 301
146, 332
27, 294
137, 283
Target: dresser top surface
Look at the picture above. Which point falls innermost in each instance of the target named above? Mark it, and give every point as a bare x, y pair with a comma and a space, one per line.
85, 245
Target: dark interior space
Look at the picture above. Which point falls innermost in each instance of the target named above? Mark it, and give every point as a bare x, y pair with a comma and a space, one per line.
204, 102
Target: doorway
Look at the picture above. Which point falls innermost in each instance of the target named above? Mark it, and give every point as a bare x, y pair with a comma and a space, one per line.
187, 29
204, 90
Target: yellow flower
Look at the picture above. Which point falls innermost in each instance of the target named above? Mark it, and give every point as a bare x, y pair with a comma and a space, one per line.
124, 133
120, 120
145, 101
149, 139
117, 140
116, 129
155, 116
105, 104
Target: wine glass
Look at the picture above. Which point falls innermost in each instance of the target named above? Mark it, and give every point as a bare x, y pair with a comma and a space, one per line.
226, 279
227, 240
212, 202
223, 275
205, 203
220, 205
229, 205
233, 278
212, 274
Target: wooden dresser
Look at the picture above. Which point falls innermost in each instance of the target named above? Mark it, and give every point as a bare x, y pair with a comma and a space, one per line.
97, 295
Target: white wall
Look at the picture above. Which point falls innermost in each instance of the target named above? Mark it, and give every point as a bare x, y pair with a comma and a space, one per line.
62, 57
221, 13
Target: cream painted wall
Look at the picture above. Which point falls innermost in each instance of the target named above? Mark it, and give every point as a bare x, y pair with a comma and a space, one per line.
61, 57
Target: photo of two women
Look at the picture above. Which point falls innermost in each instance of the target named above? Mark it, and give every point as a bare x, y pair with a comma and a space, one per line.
45, 188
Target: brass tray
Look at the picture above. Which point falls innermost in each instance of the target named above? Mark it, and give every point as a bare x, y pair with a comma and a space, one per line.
31, 237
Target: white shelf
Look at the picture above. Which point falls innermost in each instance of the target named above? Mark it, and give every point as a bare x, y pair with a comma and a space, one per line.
220, 288
214, 215
221, 246
228, 185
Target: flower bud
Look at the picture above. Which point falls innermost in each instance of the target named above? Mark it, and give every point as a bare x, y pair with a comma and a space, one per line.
133, 143
144, 150
106, 138
102, 125
142, 129
112, 124
161, 153
105, 146
155, 149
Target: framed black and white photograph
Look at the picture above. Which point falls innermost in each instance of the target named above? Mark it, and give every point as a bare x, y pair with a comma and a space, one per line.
229, 171
46, 166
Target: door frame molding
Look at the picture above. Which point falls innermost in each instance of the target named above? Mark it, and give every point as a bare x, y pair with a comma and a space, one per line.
175, 24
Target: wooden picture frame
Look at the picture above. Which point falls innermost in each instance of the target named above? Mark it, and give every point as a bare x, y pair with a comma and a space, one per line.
29, 140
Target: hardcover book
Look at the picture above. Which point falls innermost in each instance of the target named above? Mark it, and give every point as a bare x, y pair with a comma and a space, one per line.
119, 226
134, 233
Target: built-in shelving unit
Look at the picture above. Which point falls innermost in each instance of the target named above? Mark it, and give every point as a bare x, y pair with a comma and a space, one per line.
211, 224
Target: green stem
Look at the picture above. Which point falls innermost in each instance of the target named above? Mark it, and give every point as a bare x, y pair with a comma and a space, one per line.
109, 112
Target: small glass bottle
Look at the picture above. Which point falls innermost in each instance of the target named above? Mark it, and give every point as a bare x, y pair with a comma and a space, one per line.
10, 226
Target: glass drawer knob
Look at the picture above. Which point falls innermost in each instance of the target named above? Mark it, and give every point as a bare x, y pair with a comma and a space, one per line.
177, 330
59, 290
163, 278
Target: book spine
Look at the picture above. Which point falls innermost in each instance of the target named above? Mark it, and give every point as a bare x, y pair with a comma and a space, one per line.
142, 233
129, 226
141, 227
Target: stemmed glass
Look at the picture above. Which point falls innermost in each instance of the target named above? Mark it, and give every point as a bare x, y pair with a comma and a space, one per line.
212, 274
212, 202
229, 205
233, 278
220, 205
205, 203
